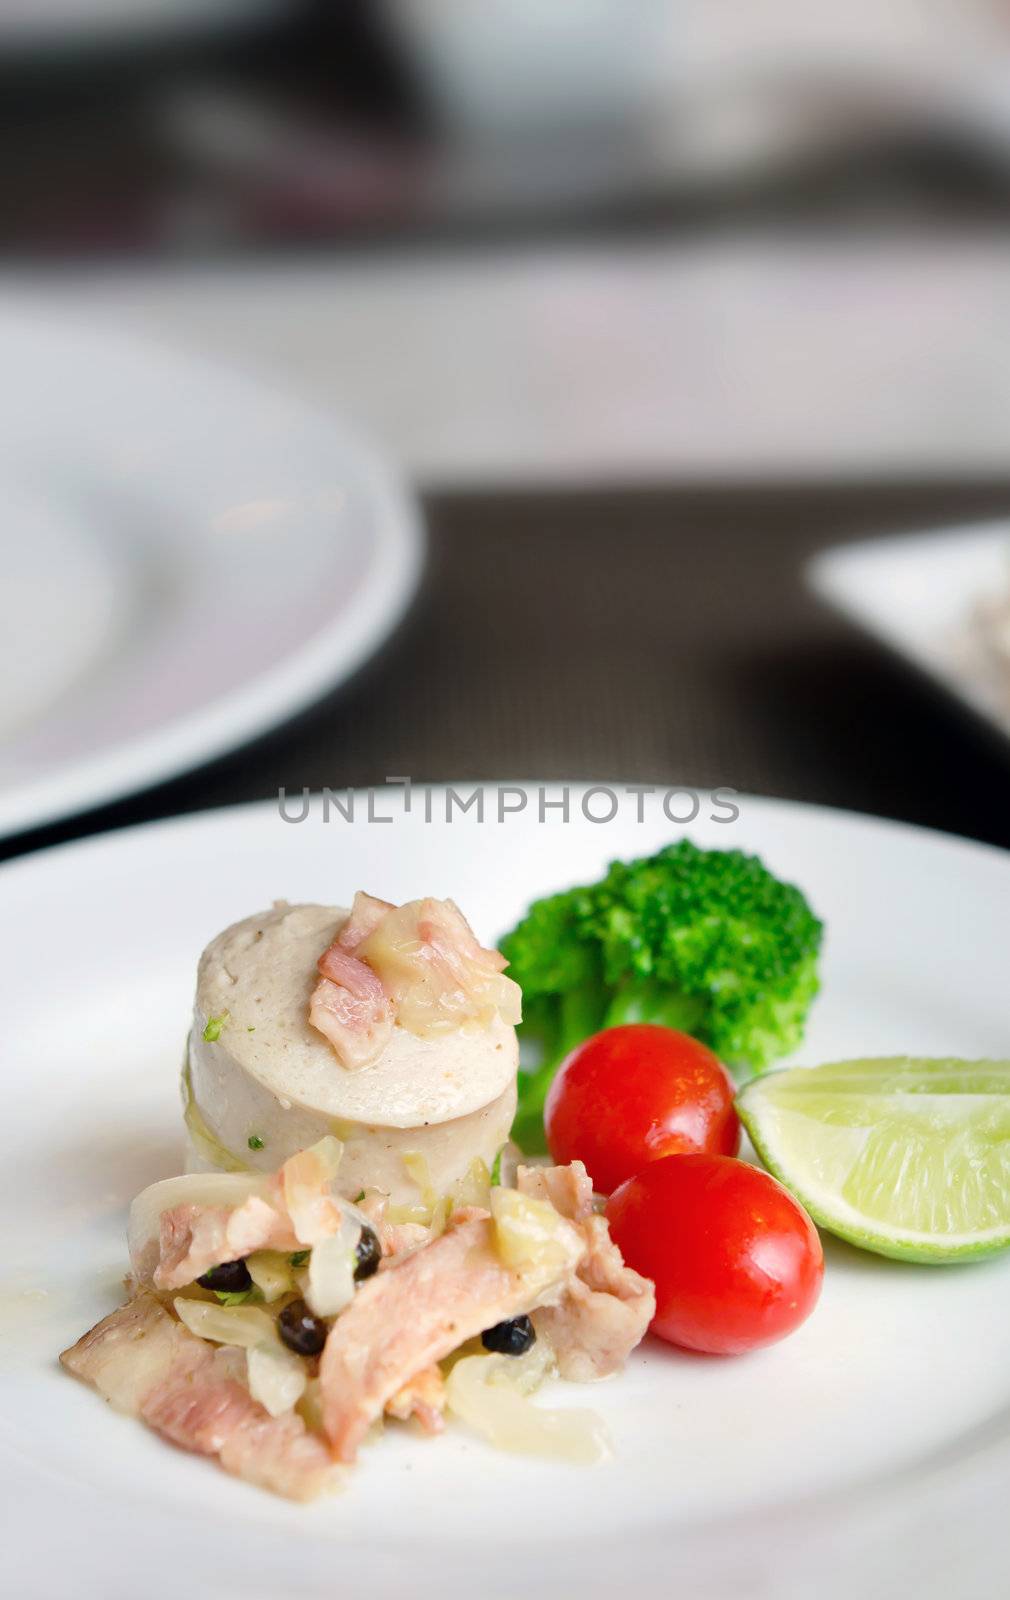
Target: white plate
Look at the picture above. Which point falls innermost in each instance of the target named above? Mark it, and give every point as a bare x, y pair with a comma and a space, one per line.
187, 559
917, 594
868, 1450
71, 24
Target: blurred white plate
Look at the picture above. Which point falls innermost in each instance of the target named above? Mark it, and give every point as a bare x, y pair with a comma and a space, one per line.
187, 559
74, 24
867, 1455
918, 595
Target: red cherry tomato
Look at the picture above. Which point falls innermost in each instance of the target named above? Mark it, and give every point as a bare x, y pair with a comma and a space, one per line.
632, 1094
736, 1261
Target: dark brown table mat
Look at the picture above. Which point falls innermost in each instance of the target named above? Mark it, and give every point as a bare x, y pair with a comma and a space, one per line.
661, 635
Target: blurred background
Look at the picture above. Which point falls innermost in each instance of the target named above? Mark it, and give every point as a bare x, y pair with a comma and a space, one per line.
649, 302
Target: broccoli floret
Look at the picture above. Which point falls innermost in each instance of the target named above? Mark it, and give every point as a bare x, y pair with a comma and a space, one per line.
708, 941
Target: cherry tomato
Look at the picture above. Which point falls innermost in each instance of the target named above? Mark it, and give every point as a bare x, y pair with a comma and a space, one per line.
635, 1093
736, 1261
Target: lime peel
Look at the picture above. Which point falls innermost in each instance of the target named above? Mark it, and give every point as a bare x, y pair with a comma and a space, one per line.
909, 1158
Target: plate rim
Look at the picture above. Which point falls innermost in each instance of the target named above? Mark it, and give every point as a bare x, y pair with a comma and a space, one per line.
325, 661
858, 1508
235, 811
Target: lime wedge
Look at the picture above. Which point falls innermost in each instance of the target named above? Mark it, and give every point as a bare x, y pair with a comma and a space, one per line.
909, 1158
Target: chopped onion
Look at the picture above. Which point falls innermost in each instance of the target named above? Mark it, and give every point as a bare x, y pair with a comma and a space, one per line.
491, 1399
510, 1157
474, 1187
306, 1178
434, 1211
193, 1189
247, 1326
330, 1285
398, 1215
270, 1271
417, 1170
329, 1152
441, 1212
532, 1238
310, 1406
361, 1217
277, 1377
527, 1372
434, 971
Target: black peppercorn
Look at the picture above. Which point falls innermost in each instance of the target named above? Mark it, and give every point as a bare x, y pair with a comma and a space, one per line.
368, 1254
512, 1338
302, 1331
230, 1277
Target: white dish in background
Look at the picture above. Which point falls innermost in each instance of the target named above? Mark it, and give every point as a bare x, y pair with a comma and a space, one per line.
62, 25
866, 1455
188, 558
581, 364
918, 594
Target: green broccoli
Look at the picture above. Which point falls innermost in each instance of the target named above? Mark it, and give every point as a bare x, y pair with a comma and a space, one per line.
707, 941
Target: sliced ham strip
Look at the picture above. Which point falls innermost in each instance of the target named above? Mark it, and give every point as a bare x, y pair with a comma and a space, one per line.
366, 913
126, 1354
146, 1363
603, 1314
295, 1209
412, 1315
349, 1005
442, 926
423, 1397
350, 1008
339, 966
435, 971
419, 964
606, 1309
568, 1189
194, 1238
395, 1238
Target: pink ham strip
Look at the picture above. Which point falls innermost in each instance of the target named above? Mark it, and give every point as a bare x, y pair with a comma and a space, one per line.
606, 1308
441, 924
423, 1397
470, 976
394, 1237
366, 913
568, 1189
350, 1008
194, 1238
147, 1364
419, 963
602, 1315
407, 1318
